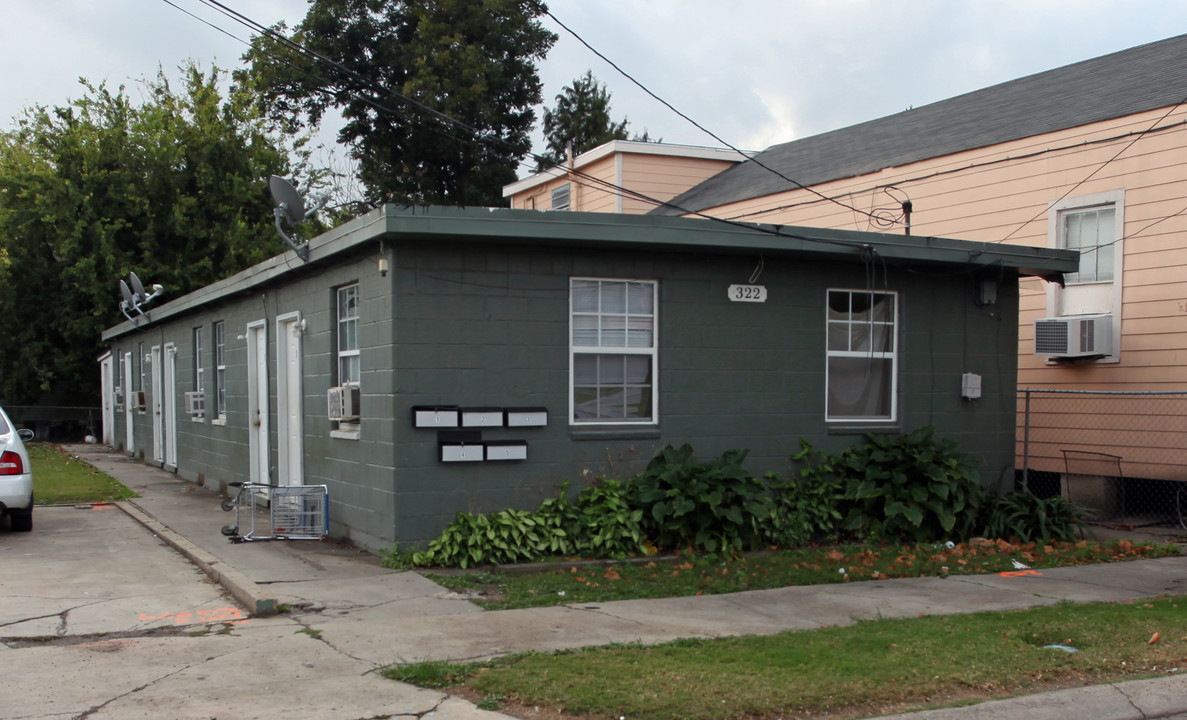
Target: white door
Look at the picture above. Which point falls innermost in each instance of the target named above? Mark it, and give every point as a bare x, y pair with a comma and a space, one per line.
158, 427
257, 401
289, 418
107, 386
129, 413
169, 405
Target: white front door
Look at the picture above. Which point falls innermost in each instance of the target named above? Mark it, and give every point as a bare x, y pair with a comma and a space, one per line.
257, 401
169, 405
289, 418
158, 427
107, 387
129, 412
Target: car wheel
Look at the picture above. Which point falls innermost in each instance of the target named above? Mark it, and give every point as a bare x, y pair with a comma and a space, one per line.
22, 520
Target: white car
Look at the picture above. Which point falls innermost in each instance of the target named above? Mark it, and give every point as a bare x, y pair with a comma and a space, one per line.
16, 475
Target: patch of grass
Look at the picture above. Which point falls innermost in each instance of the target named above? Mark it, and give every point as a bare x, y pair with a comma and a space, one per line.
60, 478
881, 666
708, 575
315, 634
429, 673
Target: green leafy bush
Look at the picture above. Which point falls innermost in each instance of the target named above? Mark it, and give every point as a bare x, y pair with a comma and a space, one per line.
1027, 518
808, 506
713, 507
607, 525
910, 486
507, 536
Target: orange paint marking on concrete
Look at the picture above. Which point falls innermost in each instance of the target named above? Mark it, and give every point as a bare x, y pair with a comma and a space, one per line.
1019, 573
230, 615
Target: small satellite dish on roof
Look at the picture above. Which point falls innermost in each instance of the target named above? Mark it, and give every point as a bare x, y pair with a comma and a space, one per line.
291, 208
134, 297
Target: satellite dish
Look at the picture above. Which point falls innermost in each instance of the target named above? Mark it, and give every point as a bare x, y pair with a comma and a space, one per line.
287, 199
138, 293
128, 302
289, 207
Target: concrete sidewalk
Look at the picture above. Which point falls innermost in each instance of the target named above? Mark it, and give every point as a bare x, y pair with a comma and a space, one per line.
381, 616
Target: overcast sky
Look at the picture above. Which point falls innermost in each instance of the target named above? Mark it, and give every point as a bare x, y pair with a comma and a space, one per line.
755, 72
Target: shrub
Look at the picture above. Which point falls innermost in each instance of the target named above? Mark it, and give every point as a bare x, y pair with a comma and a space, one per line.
910, 486
808, 506
1027, 518
606, 524
507, 536
713, 507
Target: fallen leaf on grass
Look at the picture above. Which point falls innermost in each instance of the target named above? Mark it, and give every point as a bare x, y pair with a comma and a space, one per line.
1154, 638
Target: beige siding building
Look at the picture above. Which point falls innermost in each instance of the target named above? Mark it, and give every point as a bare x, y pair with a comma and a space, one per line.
621, 176
1093, 157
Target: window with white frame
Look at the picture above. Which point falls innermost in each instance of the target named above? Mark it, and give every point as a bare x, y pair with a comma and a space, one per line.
560, 197
218, 330
613, 350
862, 356
1092, 231
348, 335
199, 369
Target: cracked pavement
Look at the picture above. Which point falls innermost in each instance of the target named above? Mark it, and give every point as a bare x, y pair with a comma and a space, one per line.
99, 619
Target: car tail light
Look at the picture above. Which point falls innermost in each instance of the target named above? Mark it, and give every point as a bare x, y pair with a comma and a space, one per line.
10, 464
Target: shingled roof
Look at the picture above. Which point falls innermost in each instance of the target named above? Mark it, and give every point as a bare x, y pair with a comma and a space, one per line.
1143, 78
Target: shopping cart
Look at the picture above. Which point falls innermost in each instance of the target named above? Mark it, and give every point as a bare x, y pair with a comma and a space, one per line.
277, 512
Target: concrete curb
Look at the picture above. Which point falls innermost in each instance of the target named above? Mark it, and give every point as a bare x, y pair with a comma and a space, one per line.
241, 588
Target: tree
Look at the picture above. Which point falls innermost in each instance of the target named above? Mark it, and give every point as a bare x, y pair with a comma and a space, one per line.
174, 189
396, 70
581, 117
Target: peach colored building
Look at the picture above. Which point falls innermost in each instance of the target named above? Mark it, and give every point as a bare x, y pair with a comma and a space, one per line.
621, 176
1091, 156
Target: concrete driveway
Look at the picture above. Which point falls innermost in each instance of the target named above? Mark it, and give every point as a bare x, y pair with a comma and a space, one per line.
99, 619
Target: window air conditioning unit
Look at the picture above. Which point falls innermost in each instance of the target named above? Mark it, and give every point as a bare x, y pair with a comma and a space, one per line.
137, 400
195, 403
343, 403
1074, 336
117, 395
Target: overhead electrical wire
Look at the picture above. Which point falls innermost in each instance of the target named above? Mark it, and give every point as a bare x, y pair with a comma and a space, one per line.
478, 137
752, 157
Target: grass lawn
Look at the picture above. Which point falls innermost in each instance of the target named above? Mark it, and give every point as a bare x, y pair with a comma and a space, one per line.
575, 582
59, 478
881, 666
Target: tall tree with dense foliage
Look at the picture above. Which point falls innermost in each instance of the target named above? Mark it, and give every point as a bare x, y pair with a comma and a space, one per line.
174, 189
393, 69
581, 118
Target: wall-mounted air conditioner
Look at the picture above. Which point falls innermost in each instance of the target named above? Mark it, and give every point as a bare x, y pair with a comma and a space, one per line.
1074, 336
343, 403
137, 400
195, 403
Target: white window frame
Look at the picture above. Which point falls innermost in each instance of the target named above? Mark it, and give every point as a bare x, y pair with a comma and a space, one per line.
557, 193
199, 370
891, 355
218, 332
343, 429
651, 352
1111, 289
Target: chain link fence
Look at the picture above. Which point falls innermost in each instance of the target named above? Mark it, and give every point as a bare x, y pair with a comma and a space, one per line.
1123, 455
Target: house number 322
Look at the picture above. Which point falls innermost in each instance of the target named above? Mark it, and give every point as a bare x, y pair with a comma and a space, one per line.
748, 293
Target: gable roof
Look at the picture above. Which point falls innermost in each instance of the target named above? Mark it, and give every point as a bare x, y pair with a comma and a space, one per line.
394, 225
1136, 80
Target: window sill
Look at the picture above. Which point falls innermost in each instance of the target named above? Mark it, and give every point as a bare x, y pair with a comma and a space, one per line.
345, 433
219, 421
619, 432
863, 427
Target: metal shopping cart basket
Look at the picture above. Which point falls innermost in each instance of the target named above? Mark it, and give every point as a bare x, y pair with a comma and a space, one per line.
278, 512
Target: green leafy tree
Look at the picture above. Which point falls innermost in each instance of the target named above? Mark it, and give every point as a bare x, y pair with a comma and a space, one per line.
173, 189
581, 118
393, 69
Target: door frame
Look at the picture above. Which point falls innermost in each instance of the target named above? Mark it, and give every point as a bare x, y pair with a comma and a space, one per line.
290, 425
129, 412
107, 387
259, 449
169, 406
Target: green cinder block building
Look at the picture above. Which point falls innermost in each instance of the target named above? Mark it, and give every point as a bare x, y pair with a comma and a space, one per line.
428, 360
